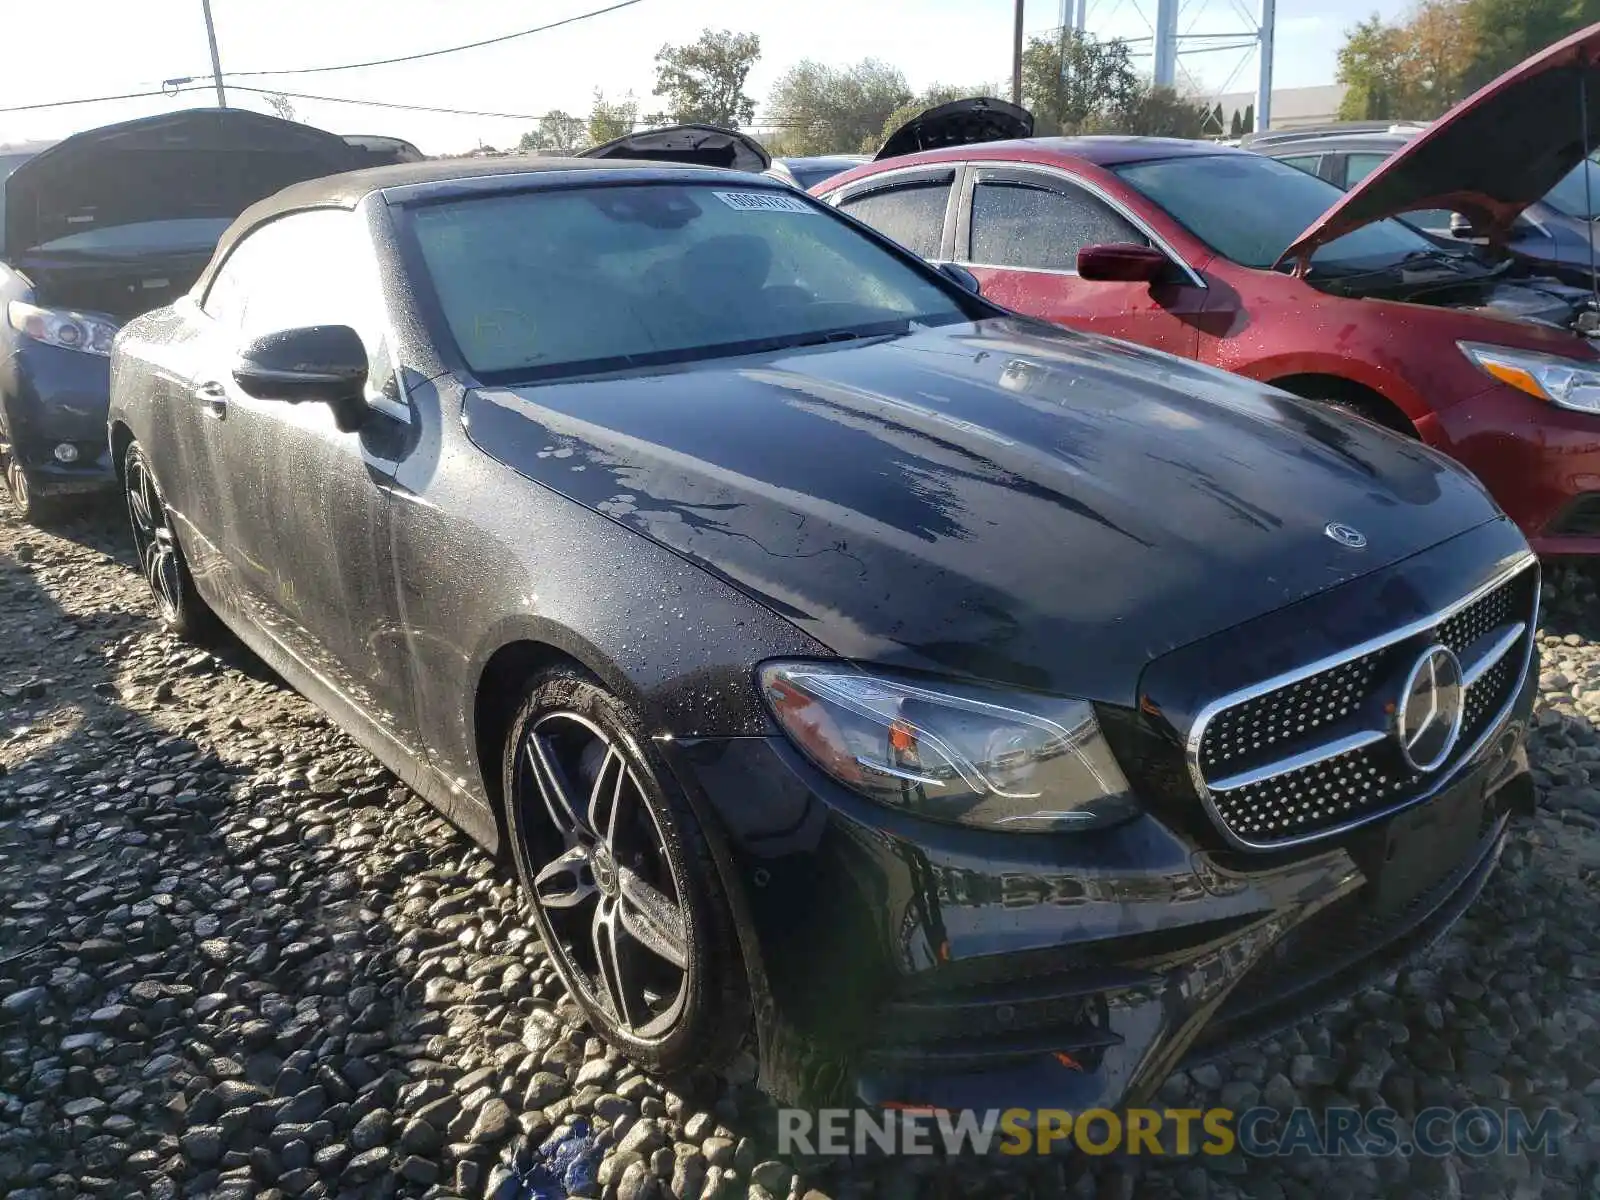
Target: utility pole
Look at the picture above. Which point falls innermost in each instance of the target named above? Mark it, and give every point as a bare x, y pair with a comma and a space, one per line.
1264, 82
1016, 57
216, 59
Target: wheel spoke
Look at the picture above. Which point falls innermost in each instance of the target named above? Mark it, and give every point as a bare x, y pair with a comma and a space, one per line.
137, 502
653, 920
553, 788
160, 575
604, 801
151, 501
567, 882
608, 961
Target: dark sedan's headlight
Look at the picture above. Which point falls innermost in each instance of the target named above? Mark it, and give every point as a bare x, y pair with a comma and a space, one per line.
62, 327
961, 754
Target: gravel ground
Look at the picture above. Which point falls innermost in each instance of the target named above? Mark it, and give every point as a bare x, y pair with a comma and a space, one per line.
237, 958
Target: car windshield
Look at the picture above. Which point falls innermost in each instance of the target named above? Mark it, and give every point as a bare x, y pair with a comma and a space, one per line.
562, 282
1578, 193
1250, 209
184, 235
809, 174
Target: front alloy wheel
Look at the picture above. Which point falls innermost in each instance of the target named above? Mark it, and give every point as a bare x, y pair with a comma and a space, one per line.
160, 557
25, 500
621, 880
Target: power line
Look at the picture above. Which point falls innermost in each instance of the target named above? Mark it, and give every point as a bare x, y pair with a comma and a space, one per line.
90, 100
457, 112
402, 58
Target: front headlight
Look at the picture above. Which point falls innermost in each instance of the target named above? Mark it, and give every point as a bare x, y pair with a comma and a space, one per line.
62, 327
1564, 382
959, 754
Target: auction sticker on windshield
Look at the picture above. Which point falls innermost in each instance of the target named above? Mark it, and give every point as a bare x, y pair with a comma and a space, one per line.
764, 202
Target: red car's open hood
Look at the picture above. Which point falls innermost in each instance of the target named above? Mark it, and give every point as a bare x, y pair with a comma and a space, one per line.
1490, 156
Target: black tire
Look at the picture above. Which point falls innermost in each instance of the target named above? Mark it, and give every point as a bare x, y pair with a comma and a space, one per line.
26, 502
1357, 401
160, 557
633, 834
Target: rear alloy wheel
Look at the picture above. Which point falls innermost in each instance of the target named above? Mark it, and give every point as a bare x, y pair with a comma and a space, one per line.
160, 557
623, 888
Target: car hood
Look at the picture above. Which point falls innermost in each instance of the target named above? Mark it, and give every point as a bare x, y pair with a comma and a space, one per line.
959, 123
699, 145
1490, 156
200, 163
1040, 508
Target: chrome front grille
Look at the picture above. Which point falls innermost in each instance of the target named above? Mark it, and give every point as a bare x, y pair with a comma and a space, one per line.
1314, 752
1256, 731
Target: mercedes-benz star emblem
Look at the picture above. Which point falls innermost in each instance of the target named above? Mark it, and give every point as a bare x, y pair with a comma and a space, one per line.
1346, 535
604, 868
1429, 719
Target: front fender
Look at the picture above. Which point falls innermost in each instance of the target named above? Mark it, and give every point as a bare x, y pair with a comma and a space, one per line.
1389, 384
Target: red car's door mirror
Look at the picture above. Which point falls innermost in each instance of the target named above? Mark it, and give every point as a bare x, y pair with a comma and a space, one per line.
1123, 262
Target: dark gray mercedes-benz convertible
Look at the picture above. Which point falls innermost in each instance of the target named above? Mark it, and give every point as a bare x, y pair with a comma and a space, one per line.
982, 714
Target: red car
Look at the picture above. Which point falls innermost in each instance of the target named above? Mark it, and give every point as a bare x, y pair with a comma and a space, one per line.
1254, 266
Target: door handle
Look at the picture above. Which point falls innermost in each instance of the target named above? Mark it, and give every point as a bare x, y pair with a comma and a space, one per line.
215, 398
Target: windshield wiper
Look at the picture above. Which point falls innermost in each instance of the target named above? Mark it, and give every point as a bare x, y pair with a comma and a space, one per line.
826, 337
1413, 258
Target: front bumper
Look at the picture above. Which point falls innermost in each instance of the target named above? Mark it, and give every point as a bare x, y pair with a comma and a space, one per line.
910, 967
903, 964
1541, 463
54, 396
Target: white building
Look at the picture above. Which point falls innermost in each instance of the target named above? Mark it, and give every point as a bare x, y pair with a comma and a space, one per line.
1291, 107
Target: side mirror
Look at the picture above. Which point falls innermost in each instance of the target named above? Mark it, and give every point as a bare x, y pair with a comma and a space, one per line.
324, 364
1460, 225
962, 277
1123, 262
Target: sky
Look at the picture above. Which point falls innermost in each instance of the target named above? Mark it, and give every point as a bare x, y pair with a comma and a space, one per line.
113, 46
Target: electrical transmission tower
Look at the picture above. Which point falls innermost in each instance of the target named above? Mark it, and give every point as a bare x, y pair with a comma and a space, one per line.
1166, 45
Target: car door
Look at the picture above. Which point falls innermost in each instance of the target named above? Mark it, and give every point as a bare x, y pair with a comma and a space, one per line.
1020, 232
187, 434
913, 207
307, 504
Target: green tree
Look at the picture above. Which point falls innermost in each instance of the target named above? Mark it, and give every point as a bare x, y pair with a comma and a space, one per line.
608, 120
1163, 112
1370, 67
558, 133
831, 110
1504, 32
1072, 81
704, 80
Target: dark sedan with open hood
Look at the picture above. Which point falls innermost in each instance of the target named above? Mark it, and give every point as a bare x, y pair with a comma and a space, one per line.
978, 713
102, 227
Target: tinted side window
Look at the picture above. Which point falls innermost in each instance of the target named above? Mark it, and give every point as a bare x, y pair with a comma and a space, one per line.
912, 214
1434, 220
1025, 225
311, 268
1358, 166
1306, 162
